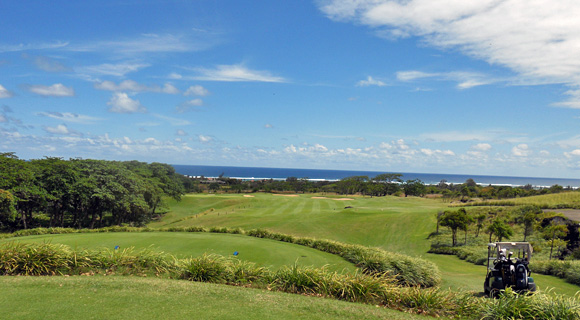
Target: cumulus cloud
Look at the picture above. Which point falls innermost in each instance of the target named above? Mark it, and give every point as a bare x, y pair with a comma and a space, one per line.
55, 90
521, 150
121, 103
237, 72
268, 126
538, 39
180, 133
481, 147
196, 90
5, 93
61, 129
204, 139
370, 81
573, 153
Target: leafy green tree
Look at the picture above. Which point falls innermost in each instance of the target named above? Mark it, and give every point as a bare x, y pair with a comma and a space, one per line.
414, 187
455, 220
500, 229
527, 216
553, 232
7, 211
480, 219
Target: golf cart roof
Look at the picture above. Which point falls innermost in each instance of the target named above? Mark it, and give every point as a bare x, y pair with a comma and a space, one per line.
513, 246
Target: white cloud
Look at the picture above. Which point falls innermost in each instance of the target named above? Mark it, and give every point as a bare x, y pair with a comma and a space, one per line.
573, 153
55, 90
121, 103
539, 39
5, 93
437, 152
173, 121
370, 81
204, 139
413, 75
69, 117
521, 150
117, 70
189, 105
147, 43
181, 133
170, 89
454, 136
133, 86
481, 147
47, 64
59, 129
196, 90
465, 80
175, 76
268, 126
32, 46
238, 72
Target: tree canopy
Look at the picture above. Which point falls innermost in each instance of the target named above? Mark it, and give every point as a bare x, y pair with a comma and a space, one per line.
83, 193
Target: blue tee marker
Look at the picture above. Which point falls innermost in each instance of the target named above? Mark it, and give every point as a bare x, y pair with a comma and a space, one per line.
117, 247
235, 253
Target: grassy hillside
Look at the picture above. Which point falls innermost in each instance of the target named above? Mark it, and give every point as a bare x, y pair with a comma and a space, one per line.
561, 200
264, 252
391, 223
102, 297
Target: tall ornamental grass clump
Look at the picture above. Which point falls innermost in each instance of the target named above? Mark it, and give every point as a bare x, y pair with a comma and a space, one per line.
378, 289
408, 271
35, 260
51, 259
511, 305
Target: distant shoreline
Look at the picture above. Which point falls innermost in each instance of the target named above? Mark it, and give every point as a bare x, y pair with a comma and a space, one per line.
257, 173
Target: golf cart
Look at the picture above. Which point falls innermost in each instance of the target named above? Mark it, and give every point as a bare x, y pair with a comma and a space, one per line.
507, 272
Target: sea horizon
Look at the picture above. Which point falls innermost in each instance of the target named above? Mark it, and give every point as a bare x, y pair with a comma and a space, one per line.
266, 173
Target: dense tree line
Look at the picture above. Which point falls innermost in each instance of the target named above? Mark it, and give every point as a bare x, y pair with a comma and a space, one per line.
82, 193
521, 223
381, 185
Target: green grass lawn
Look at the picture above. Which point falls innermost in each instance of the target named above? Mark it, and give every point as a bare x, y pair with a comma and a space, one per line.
116, 297
264, 252
391, 223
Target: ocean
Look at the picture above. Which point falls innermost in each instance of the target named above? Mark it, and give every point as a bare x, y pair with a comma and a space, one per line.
256, 173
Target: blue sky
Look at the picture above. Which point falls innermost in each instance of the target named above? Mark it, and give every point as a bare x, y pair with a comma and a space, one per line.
431, 86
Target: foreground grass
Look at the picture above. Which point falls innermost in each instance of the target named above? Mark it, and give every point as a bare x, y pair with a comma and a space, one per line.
101, 297
263, 252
